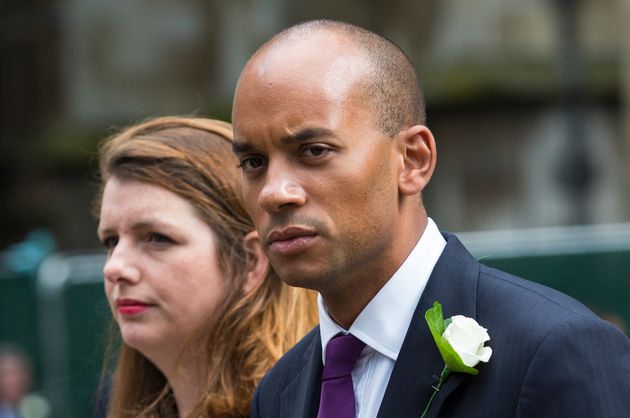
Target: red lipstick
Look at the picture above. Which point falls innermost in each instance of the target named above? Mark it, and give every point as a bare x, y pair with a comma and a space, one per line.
131, 306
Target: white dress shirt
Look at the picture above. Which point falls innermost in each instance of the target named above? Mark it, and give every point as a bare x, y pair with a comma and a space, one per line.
383, 323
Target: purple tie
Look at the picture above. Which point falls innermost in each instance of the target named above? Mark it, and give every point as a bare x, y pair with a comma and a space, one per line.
337, 399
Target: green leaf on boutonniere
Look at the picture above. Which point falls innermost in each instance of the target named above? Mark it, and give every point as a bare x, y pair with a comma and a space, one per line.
437, 325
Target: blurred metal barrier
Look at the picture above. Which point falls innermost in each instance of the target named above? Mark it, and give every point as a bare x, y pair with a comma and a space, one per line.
60, 314
18, 314
72, 319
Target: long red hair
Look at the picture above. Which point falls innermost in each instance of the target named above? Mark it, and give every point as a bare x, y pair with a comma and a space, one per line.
192, 157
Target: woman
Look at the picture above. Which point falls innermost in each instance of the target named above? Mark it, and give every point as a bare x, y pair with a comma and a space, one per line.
201, 315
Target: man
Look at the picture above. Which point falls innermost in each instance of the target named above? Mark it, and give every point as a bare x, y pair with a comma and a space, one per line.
329, 130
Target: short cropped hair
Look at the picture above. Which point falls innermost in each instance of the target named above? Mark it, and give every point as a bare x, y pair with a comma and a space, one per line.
393, 90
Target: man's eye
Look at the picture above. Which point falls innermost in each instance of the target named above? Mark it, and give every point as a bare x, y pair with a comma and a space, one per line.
315, 151
251, 163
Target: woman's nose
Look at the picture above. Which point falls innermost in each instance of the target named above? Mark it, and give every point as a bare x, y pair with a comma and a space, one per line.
121, 265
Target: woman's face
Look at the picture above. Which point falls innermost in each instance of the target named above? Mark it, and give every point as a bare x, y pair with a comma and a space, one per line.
162, 276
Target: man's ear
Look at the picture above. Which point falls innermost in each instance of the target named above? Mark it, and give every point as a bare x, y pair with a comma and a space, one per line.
258, 267
419, 158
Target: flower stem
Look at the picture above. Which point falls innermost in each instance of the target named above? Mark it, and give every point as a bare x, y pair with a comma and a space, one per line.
436, 389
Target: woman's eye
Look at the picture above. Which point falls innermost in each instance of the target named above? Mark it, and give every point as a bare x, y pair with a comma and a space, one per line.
251, 163
109, 242
159, 239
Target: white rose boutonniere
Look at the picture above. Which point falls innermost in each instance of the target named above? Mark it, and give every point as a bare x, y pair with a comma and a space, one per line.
467, 337
461, 343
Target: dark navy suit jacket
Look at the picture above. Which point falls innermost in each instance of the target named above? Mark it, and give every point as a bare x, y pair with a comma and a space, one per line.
552, 357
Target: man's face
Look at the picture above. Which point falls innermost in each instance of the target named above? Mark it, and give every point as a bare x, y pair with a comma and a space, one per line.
320, 180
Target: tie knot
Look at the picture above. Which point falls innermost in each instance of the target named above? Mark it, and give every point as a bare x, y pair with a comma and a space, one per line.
342, 352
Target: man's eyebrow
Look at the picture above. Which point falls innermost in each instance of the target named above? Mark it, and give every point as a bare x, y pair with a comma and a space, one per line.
306, 135
241, 146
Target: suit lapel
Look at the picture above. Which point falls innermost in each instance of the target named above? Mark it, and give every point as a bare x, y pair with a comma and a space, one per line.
454, 284
451, 384
300, 398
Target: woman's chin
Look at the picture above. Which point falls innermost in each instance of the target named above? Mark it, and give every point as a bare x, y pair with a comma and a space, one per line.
141, 340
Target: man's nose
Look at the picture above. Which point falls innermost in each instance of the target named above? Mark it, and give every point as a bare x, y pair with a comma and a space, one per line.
121, 266
281, 190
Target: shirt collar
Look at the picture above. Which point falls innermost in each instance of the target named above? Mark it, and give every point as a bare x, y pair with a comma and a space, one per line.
383, 323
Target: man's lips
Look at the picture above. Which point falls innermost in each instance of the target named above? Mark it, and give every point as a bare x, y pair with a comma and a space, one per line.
128, 306
290, 240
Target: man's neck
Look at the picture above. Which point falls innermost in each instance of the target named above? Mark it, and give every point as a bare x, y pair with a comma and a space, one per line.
344, 304
344, 307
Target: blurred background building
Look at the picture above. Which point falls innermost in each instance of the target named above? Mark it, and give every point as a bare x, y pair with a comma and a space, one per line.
529, 102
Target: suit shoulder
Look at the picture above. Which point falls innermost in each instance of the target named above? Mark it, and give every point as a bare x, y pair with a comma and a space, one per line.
584, 362
516, 309
536, 298
563, 359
